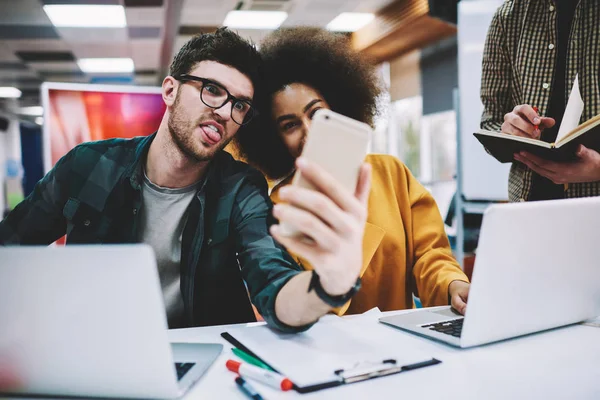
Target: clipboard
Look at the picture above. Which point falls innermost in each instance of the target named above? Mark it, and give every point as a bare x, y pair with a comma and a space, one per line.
359, 372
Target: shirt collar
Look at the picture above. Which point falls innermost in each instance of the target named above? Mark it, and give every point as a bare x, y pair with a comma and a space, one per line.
135, 173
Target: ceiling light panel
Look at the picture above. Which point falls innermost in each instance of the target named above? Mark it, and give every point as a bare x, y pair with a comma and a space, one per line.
106, 65
255, 19
350, 22
86, 16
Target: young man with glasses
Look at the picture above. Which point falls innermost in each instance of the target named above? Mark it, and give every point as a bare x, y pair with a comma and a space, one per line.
205, 214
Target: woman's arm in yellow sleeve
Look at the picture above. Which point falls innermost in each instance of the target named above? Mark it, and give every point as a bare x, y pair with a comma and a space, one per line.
435, 267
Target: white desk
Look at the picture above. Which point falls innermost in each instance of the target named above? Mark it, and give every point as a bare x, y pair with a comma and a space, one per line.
558, 364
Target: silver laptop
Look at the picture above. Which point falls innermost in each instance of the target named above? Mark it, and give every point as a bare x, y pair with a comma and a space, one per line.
90, 321
537, 268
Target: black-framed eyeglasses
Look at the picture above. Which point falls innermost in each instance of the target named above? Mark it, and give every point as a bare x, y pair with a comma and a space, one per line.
216, 96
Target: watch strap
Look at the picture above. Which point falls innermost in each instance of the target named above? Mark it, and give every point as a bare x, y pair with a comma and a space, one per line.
333, 301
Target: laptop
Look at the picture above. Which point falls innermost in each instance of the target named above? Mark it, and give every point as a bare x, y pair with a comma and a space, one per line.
90, 321
537, 268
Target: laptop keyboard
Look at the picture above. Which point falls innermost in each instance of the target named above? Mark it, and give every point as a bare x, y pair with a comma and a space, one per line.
182, 369
453, 327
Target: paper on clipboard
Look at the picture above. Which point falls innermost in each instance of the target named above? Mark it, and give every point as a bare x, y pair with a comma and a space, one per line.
312, 357
595, 322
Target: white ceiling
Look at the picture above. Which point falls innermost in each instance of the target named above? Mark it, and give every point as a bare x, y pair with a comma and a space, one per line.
208, 13
24, 27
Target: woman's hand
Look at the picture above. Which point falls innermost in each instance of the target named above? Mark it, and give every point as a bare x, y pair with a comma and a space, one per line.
334, 220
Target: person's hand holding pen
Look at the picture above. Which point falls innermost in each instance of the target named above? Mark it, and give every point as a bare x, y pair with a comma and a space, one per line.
524, 121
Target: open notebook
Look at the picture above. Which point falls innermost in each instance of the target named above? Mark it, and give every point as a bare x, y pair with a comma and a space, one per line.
331, 354
570, 135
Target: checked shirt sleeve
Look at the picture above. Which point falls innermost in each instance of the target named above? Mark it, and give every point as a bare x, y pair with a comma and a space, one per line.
265, 265
496, 77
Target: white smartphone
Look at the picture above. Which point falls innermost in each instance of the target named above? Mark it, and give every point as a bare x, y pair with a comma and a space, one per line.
337, 144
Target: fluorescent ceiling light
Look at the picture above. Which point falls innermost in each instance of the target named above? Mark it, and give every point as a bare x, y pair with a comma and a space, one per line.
10, 92
105, 65
255, 19
349, 22
86, 16
34, 111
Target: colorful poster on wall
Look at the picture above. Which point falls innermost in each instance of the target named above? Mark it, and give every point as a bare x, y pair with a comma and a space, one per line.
76, 113
80, 113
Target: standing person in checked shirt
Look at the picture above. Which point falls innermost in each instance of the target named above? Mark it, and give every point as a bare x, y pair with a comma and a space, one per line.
534, 50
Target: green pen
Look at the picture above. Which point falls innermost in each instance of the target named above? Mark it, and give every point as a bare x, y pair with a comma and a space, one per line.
249, 359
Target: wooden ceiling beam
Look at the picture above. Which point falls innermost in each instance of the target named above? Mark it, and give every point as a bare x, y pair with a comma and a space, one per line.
399, 28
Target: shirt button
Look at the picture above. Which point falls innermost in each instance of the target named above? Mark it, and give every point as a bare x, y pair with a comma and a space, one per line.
86, 222
551, 8
134, 211
551, 46
546, 86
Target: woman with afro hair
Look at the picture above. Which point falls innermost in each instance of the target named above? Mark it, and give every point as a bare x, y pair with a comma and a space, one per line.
405, 248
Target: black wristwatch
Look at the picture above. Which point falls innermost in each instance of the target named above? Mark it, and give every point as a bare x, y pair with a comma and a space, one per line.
333, 301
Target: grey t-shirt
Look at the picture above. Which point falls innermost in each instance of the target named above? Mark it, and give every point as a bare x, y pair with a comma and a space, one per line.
162, 219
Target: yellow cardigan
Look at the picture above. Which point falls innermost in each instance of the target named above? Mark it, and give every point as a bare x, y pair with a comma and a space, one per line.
404, 237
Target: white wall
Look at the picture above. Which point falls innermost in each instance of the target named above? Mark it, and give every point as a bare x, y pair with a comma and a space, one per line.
484, 178
10, 149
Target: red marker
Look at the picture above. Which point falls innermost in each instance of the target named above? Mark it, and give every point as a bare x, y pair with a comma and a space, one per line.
270, 378
538, 113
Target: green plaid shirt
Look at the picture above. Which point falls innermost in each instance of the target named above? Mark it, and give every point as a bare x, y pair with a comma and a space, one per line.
518, 68
93, 195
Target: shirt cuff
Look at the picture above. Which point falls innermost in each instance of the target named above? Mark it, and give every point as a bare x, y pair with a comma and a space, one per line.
269, 313
451, 278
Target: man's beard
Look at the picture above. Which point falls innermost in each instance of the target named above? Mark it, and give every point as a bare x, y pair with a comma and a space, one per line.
182, 133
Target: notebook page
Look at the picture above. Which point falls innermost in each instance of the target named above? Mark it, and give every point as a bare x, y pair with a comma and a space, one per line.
311, 357
573, 111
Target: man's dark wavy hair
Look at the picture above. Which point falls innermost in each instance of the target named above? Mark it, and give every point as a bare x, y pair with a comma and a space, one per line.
320, 59
223, 46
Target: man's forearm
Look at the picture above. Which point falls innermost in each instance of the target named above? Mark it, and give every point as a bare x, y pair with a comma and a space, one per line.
295, 306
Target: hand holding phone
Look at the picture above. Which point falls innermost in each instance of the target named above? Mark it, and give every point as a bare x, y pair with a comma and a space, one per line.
322, 214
